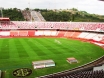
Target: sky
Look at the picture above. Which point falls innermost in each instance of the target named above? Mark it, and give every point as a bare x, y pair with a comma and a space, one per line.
90, 6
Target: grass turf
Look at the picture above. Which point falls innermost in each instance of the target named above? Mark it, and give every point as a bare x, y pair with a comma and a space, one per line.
20, 52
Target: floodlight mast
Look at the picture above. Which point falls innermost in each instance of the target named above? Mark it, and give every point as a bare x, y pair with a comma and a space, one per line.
30, 12
1, 12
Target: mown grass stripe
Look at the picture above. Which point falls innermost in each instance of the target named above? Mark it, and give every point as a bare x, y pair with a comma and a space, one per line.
13, 52
63, 47
5, 49
1, 44
35, 48
53, 47
57, 48
30, 51
41, 46
21, 50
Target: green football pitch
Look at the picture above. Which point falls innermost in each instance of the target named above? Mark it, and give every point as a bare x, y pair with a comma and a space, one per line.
20, 52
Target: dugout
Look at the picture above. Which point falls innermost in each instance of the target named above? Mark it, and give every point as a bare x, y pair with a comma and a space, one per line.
72, 60
43, 64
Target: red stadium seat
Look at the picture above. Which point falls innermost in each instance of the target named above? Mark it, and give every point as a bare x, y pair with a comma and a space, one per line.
31, 32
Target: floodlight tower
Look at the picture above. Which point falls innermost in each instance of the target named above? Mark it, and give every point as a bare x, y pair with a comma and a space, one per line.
30, 12
1, 12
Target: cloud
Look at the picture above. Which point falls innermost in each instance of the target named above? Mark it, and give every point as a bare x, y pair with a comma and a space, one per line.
90, 6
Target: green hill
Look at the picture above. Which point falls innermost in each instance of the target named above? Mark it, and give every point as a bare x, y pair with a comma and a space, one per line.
56, 15
72, 15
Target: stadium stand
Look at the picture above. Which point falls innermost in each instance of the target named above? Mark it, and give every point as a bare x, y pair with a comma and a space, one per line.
23, 33
31, 33
50, 29
90, 36
14, 33
36, 16
27, 15
98, 68
75, 34
39, 33
61, 33
83, 35
69, 33
61, 29
52, 25
85, 74
98, 37
47, 33
54, 33
4, 33
40, 16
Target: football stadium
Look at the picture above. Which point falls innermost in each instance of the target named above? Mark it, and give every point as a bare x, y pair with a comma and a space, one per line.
44, 49
36, 42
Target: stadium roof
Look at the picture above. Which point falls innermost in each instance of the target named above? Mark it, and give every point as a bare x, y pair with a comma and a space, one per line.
101, 0
4, 19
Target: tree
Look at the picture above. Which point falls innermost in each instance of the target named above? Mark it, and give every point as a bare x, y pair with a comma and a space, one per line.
27, 9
